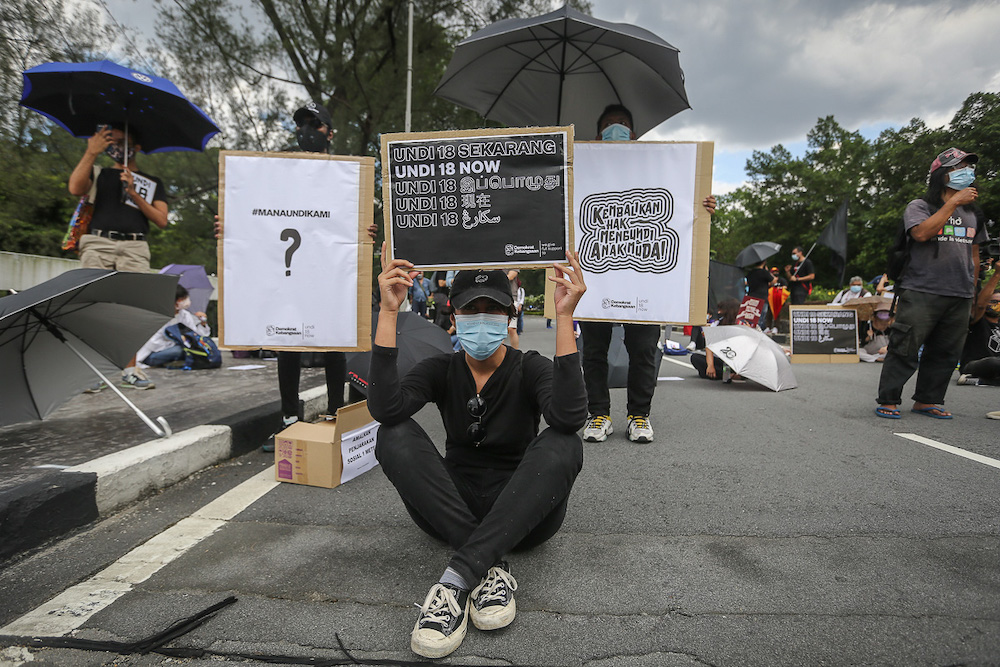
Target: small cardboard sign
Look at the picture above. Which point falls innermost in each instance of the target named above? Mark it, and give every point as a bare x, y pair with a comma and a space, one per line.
824, 334
478, 198
751, 310
144, 187
327, 453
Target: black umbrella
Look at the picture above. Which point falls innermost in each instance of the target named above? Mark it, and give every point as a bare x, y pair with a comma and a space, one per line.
755, 253
563, 68
416, 339
79, 96
93, 316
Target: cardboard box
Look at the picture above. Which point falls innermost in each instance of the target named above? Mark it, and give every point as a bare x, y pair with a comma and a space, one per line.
327, 453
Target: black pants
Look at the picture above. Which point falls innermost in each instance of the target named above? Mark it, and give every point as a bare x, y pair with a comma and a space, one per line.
642, 343
939, 324
482, 513
987, 369
700, 363
289, 371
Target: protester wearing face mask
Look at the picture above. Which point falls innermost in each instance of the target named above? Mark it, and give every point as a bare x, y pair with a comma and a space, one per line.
160, 349
876, 337
855, 290
501, 486
123, 208
641, 340
938, 286
800, 276
980, 363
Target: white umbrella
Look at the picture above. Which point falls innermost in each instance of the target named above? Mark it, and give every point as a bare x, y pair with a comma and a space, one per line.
751, 354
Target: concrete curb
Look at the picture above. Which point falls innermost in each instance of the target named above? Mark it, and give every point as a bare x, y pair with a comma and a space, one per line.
67, 499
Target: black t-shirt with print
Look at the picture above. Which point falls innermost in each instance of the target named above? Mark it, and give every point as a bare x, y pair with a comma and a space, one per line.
111, 214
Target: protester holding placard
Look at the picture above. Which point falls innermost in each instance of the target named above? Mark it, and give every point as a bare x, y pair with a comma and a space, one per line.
125, 202
641, 340
502, 485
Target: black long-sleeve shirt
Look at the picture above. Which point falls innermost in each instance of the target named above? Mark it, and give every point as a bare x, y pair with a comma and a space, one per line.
525, 387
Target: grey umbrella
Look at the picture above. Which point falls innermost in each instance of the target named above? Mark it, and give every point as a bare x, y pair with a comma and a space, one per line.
755, 253
56, 336
618, 359
563, 68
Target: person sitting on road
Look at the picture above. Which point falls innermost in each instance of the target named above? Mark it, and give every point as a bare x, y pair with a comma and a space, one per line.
877, 335
980, 364
707, 364
855, 290
501, 485
161, 349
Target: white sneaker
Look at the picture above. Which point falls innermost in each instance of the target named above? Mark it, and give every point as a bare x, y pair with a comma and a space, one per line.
993, 415
598, 428
692, 346
639, 429
493, 605
443, 622
965, 378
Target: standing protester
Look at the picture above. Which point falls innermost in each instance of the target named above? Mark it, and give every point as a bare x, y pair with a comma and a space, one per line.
800, 277
981, 355
116, 238
313, 133
938, 286
501, 485
641, 340
759, 281
418, 294
513, 334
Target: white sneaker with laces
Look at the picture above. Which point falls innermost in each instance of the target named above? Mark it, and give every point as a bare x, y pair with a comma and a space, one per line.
639, 429
493, 605
598, 428
443, 622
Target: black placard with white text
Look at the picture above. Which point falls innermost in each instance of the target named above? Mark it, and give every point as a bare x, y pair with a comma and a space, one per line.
496, 197
824, 331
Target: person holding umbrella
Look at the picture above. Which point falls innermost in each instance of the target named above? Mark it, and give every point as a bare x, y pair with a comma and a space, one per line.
125, 202
502, 485
641, 340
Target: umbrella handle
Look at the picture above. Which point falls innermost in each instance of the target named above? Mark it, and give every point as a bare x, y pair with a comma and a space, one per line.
162, 429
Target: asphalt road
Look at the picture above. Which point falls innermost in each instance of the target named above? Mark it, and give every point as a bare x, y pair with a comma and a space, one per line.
758, 529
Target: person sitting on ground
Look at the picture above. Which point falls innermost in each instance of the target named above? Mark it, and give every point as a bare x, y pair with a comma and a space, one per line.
501, 485
855, 290
980, 362
707, 364
883, 287
877, 335
161, 349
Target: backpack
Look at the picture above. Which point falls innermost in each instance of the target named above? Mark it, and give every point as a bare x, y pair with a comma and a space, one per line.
199, 351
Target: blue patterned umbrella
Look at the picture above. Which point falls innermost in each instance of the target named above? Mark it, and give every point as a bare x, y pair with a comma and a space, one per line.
80, 96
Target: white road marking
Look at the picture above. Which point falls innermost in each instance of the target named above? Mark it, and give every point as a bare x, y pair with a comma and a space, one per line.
972, 456
685, 364
74, 606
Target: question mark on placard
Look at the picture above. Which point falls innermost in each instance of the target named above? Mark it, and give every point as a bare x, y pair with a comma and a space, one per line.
292, 234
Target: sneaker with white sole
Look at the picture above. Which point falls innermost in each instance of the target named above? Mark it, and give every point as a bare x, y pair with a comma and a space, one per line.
993, 415
965, 378
443, 622
598, 428
134, 378
639, 429
268, 445
493, 605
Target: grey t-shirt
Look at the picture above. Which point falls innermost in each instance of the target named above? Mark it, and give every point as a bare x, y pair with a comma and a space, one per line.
951, 273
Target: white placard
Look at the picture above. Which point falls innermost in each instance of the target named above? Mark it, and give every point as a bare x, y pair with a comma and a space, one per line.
635, 223
357, 450
290, 250
144, 187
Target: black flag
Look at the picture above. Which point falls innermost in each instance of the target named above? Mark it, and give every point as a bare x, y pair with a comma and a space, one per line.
725, 281
834, 237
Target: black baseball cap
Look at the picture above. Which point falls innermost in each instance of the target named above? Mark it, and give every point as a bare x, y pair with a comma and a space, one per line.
468, 286
312, 110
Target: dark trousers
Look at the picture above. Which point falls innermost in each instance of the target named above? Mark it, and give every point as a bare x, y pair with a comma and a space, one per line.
984, 369
420, 308
940, 324
700, 363
289, 371
642, 343
482, 513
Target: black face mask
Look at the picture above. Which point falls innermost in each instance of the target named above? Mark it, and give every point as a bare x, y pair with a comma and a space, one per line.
312, 140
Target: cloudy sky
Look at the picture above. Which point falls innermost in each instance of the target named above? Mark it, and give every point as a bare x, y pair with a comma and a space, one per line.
762, 72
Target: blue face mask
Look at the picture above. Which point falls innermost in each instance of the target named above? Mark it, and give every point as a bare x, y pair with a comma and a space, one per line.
481, 335
856, 289
961, 178
616, 132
